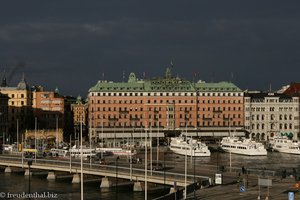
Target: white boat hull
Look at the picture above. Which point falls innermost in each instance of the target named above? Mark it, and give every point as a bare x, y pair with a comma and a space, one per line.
190, 153
285, 145
117, 151
289, 151
247, 153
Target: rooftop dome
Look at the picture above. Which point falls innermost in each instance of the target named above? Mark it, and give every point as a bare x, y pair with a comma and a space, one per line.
23, 84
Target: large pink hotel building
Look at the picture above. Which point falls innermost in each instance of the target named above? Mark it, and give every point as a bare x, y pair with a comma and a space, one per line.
163, 106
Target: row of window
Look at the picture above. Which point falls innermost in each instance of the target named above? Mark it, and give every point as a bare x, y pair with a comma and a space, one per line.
237, 94
272, 126
166, 101
263, 109
272, 100
16, 95
169, 124
120, 109
207, 119
52, 102
219, 109
272, 117
16, 103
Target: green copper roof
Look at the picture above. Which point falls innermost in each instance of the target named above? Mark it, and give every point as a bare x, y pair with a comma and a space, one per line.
166, 84
117, 87
217, 87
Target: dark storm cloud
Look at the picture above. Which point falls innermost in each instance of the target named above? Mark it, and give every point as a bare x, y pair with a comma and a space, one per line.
71, 44
41, 32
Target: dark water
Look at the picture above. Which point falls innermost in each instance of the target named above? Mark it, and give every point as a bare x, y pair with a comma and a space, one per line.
18, 183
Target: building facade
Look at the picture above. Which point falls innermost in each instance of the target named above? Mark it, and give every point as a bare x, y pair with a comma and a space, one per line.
271, 114
79, 110
3, 117
48, 108
163, 106
19, 108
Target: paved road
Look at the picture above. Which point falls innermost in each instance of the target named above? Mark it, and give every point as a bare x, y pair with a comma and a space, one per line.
231, 190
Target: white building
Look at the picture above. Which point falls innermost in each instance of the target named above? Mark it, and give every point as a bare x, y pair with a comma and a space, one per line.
271, 114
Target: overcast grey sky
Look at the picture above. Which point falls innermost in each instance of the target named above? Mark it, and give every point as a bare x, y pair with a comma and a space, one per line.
71, 44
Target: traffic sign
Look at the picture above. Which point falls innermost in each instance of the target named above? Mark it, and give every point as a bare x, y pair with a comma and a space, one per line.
291, 195
218, 178
242, 189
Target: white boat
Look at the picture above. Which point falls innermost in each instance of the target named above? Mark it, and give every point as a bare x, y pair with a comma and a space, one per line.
117, 151
59, 152
243, 146
86, 152
7, 147
285, 145
187, 146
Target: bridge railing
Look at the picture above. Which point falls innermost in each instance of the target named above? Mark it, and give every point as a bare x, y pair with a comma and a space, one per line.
163, 176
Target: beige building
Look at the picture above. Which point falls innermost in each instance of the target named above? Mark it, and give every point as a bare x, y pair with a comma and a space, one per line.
48, 136
19, 107
79, 110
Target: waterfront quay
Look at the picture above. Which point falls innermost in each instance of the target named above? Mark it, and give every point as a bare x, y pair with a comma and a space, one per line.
231, 189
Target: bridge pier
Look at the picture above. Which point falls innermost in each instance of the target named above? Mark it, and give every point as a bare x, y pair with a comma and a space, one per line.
7, 169
51, 176
27, 172
105, 183
76, 178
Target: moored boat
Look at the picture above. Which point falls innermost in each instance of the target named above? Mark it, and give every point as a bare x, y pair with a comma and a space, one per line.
187, 146
284, 145
117, 151
243, 146
86, 152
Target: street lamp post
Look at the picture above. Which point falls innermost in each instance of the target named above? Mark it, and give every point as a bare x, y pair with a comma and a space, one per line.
17, 135
70, 154
194, 176
56, 131
157, 144
102, 143
117, 177
90, 148
22, 151
35, 142
146, 183
185, 168
164, 171
81, 160
151, 146
229, 136
29, 164
130, 164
